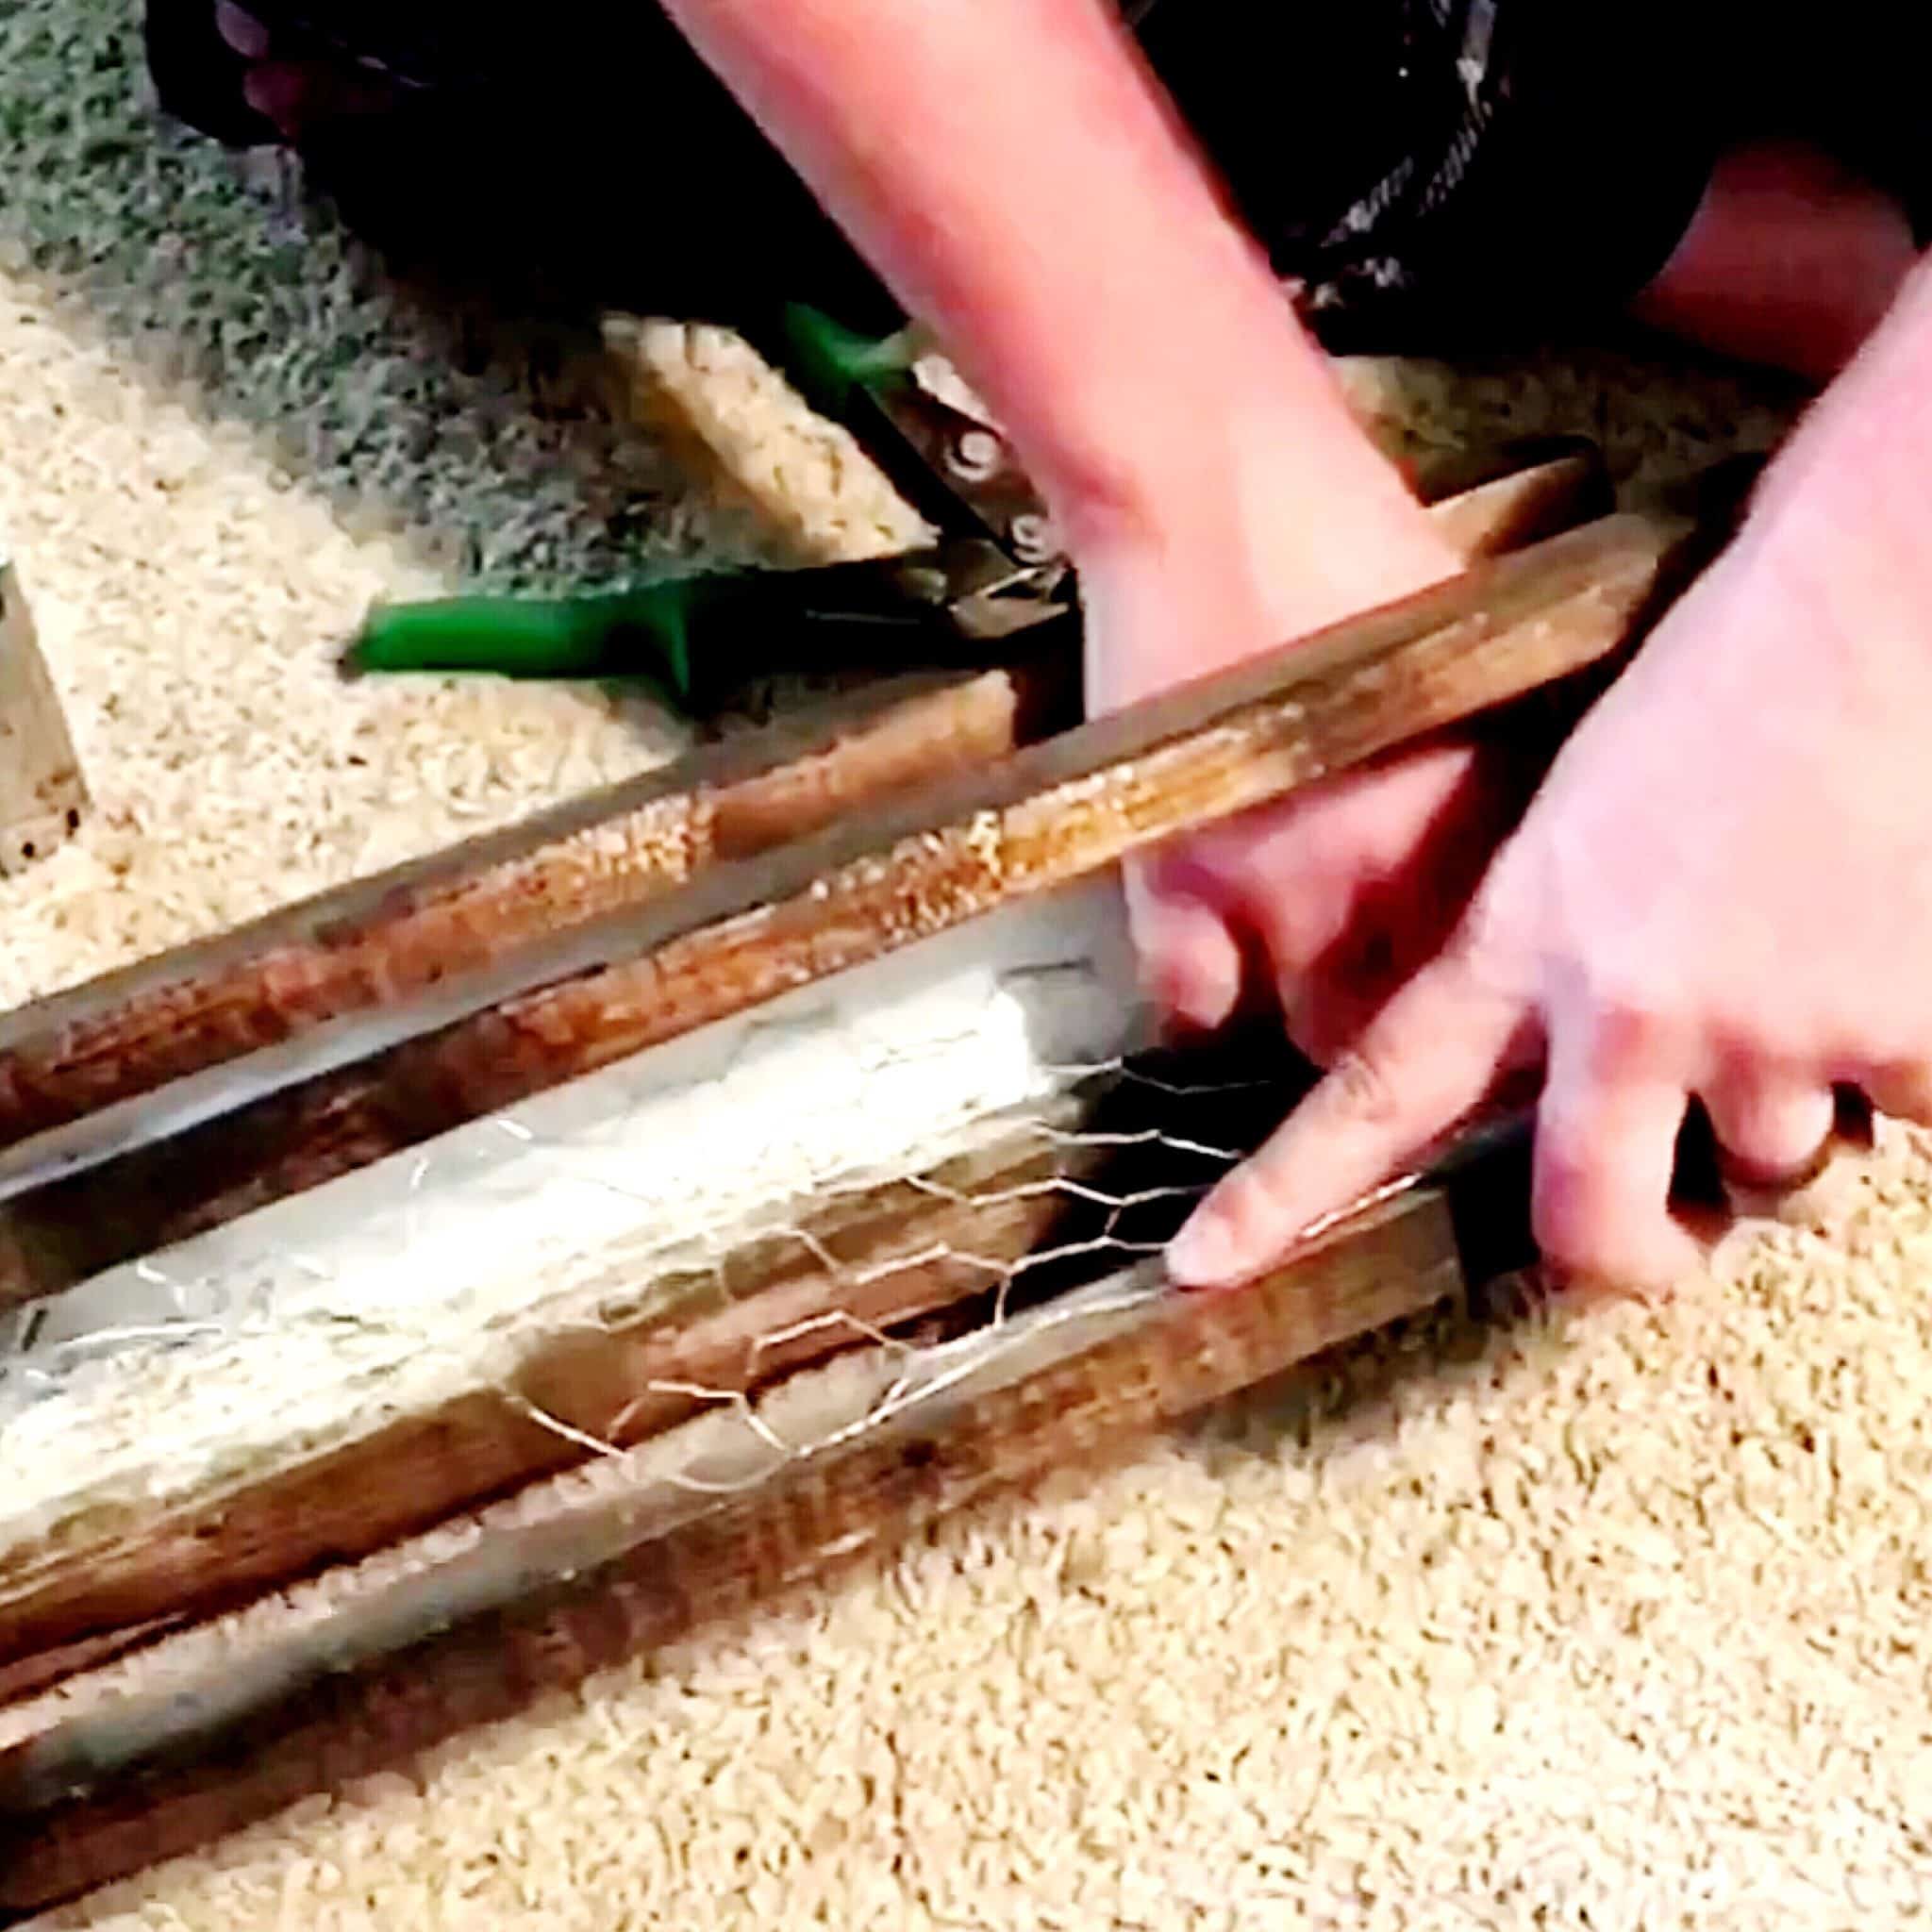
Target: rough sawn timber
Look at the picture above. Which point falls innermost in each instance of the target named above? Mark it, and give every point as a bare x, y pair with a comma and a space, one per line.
745, 930
382, 941
122, 1787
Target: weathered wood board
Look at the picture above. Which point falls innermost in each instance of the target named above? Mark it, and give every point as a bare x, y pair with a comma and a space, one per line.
787, 1084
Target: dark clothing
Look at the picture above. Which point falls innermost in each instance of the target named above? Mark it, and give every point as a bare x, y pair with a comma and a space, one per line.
1432, 174
580, 153
1446, 170
1461, 169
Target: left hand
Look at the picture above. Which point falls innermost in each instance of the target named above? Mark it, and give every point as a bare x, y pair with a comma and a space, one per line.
1724, 890
301, 92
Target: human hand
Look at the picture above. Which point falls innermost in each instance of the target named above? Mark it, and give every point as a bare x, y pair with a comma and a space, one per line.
1329, 901
297, 88
1724, 891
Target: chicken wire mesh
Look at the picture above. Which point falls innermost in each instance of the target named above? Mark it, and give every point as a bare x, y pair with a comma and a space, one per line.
1055, 1220
1093, 1178
907, 1160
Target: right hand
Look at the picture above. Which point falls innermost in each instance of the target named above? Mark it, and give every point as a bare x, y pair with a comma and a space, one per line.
1338, 894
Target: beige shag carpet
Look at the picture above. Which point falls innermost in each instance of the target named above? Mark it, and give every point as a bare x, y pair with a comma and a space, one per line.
1621, 1621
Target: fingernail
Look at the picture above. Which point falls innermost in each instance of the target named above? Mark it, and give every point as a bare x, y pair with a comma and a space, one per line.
1666, 1272
1585, 1285
244, 33
1205, 1254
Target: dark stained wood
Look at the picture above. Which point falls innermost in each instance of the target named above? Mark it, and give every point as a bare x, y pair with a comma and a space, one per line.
62, 1610
101, 1796
383, 941
108, 1793
743, 931
233, 1543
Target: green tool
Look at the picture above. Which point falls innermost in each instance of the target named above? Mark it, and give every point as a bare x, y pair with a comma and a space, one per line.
623, 633
995, 571
697, 639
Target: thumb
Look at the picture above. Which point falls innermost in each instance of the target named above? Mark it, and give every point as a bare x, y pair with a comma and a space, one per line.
1427, 1060
1189, 961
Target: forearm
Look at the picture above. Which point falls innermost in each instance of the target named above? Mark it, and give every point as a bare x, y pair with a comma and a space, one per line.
1856, 472
1010, 173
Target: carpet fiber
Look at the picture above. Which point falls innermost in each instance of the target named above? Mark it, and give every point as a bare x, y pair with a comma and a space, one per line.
1613, 1619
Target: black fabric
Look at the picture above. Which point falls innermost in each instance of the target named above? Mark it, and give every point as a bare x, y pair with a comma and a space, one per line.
440, 44
1439, 169
606, 164
1432, 174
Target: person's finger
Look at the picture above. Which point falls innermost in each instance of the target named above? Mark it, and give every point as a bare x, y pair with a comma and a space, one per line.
1328, 1008
244, 33
299, 95
1189, 961
1606, 1132
1426, 1060
1902, 1089
1772, 1130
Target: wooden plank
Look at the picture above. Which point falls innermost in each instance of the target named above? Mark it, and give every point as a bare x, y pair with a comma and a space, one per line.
385, 939
130, 1782
284, 1520
587, 1381
1500, 513
746, 930
379, 942
44, 794
825, 1285
1047, 1182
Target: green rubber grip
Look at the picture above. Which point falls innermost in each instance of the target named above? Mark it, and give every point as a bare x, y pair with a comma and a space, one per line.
642, 632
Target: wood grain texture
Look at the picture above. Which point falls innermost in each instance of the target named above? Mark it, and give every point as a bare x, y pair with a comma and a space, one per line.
43, 794
377, 943
61, 1610
122, 1787
1046, 1194
745, 930
824, 1283
1500, 513
380, 941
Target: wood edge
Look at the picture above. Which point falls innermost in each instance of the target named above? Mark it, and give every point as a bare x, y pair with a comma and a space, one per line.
742, 932
211, 1552
1093, 1407
44, 792
305, 965
199, 1008
1524, 506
